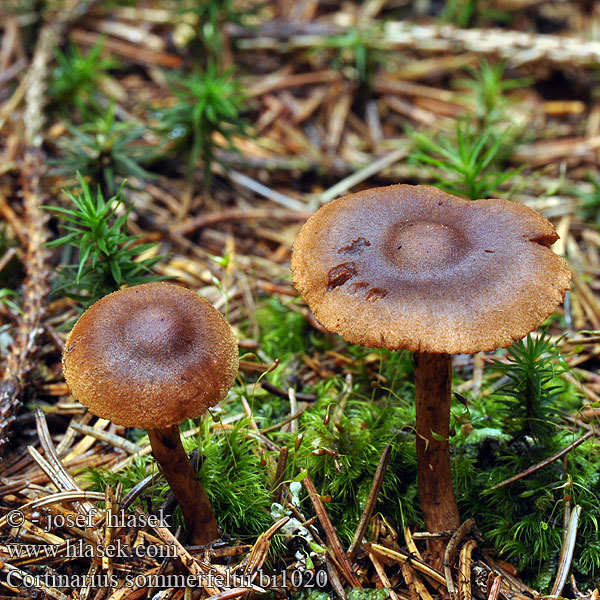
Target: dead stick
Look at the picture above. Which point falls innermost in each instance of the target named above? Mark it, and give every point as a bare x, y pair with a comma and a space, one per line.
382, 576
278, 489
227, 216
401, 558
450, 553
330, 534
495, 588
545, 462
371, 501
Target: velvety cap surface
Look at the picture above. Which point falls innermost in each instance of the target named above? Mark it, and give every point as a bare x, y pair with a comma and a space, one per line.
150, 356
416, 268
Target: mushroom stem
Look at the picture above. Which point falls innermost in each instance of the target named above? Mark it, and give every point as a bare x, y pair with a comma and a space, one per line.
178, 469
433, 380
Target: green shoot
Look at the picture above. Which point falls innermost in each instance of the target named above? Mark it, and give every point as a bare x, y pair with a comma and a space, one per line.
464, 166
203, 22
531, 396
282, 330
590, 201
341, 457
473, 13
105, 149
209, 104
108, 257
357, 52
5, 295
236, 479
489, 90
76, 76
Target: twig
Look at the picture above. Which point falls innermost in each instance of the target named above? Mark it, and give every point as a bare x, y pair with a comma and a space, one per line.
401, 558
261, 548
135, 491
332, 538
545, 462
566, 553
104, 436
58, 498
285, 421
495, 588
194, 566
518, 48
226, 216
371, 501
65, 480
409, 578
268, 193
382, 576
283, 394
450, 553
278, 488
50, 591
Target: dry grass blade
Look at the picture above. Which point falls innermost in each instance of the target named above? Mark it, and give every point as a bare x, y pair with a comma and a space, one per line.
517, 47
464, 571
401, 558
15, 571
58, 498
104, 436
414, 583
261, 548
227, 216
268, 193
355, 178
382, 575
566, 553
194, 566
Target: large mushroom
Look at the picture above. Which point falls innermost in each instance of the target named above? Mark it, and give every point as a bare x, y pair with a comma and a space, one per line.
151, 356
412, 267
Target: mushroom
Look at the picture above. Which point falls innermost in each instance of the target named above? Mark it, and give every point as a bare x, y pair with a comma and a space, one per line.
151, 356
412, 267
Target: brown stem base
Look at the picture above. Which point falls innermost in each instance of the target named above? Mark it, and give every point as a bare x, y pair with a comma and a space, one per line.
197, 512
433, 378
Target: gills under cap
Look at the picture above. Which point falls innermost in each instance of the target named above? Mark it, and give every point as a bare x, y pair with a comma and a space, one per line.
150, 356
416, 268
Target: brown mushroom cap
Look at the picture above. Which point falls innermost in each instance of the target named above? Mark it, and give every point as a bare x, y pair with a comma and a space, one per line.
150, 356
414, 267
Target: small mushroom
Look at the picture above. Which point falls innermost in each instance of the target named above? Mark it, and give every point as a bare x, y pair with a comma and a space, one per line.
151, 356
412, 267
